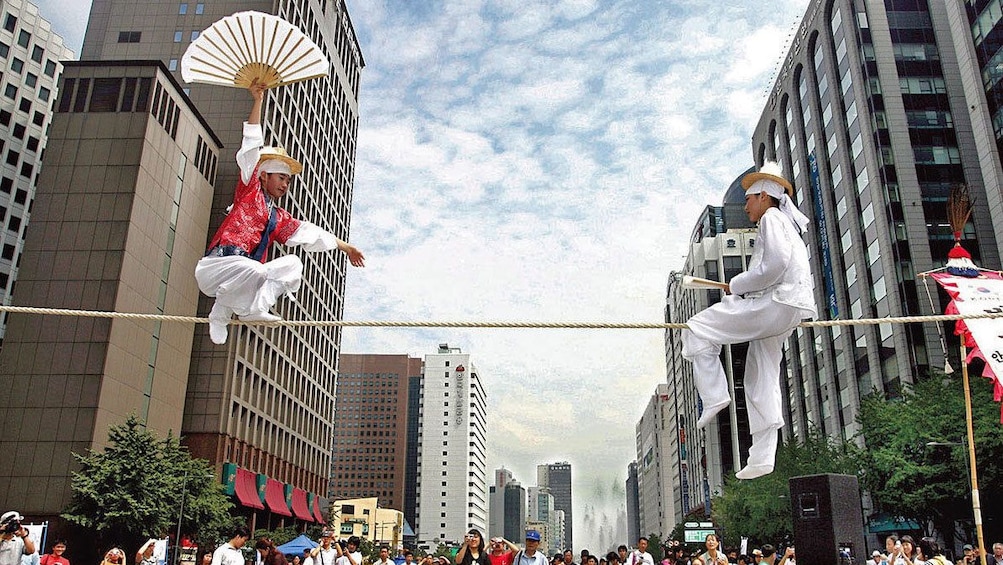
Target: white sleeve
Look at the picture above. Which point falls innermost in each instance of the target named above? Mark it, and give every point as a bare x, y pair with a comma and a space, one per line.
313, 238
250, 150
776, 256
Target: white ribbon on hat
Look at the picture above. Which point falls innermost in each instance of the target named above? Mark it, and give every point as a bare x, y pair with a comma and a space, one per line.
787, 207
275, 166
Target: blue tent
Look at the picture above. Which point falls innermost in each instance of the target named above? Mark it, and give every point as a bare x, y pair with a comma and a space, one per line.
296, 546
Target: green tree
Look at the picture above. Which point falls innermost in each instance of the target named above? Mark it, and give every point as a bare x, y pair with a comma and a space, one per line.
655, 547
916, 462
134, 488
760, 509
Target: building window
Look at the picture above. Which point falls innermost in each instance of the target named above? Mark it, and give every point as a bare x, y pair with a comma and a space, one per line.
38, 118
23, 39
44, 93
183, 9
16, 65
32, 144
21, 196
50, 68
19, 131
172, 65
10, 91
199, 9
37, 53
177, 36
26, 169
5, 117
130, 36
4, 50
104, 97
25, 105
10, 23
31, 80
195, 35
8, 252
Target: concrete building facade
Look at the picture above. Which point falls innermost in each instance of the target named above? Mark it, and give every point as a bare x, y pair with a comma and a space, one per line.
633, 503
452, 476
118, 224
370, 427
265, 400
30, 54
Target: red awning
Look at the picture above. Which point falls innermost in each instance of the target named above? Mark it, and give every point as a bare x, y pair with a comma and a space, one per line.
275, 498
316, 511
299, 505
247, 491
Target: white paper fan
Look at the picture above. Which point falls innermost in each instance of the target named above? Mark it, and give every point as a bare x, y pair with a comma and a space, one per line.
252, 45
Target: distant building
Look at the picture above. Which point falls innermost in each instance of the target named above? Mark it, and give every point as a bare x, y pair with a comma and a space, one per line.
30, 54
452, 477
557, 478
655, 436
633, 504
370, 427
515, 511
365, 518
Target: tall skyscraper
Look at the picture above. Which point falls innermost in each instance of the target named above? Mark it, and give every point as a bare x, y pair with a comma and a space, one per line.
265, 400
873, 116
452, 477
515, 511
557, 478
696, 461
117, 225
655, 436
30, 53
370, 427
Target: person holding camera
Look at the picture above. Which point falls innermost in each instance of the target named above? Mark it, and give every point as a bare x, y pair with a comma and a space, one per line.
15, 541
325, 553
472, 551
503, 551
348, 552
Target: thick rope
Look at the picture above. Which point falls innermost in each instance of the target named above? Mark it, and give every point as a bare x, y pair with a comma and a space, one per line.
460, 324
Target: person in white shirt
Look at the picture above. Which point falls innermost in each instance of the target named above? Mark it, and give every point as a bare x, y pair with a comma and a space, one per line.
229, 553
327, 552
640, 556
384, 557
531, 554
348, 552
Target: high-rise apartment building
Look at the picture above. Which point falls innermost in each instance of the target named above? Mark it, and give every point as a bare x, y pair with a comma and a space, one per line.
30, 54
556, 477
541, 512
695, 462
655, 439
452, 473
265, 400
370, 427
871, 119
117, 225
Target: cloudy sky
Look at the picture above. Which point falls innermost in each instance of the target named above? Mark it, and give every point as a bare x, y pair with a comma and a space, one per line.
544, 161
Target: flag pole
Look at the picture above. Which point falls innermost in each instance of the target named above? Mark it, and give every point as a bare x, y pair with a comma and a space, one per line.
976, 503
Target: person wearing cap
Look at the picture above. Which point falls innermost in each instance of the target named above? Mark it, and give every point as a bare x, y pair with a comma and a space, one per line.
325, 552
15, 541
877, 558
762, 306
968, 555
144, 556
531, 554
234, 271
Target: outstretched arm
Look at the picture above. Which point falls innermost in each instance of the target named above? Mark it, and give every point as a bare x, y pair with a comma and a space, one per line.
250, 147
314, 238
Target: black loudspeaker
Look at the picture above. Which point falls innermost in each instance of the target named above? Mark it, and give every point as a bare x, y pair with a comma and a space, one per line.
827, 520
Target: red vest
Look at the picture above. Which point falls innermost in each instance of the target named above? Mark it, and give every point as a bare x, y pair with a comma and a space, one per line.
243, 227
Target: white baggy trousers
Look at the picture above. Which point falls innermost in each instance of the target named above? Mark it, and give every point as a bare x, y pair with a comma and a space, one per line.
766, 325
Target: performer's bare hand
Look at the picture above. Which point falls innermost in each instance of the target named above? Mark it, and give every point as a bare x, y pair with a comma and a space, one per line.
727, 288
355, 257
257, 90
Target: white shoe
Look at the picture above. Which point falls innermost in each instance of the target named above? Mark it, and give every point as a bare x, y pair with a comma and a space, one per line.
261, 317
710, 411
753, 471
219, 318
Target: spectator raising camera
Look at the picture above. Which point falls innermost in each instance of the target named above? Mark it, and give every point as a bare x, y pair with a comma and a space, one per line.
15, 539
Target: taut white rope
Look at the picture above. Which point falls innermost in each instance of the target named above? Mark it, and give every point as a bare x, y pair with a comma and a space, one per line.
473, 324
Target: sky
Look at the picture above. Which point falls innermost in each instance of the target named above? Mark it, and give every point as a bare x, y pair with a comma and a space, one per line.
544, 161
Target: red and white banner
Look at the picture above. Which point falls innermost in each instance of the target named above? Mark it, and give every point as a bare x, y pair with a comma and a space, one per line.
984, 338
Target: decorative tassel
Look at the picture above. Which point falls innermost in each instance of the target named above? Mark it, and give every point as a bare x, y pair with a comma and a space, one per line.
959, 210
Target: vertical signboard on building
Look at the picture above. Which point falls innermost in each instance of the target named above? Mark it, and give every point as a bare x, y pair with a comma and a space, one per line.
823, 238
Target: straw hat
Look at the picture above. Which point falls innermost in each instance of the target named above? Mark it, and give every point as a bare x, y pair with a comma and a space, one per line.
770, 171
278, 153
